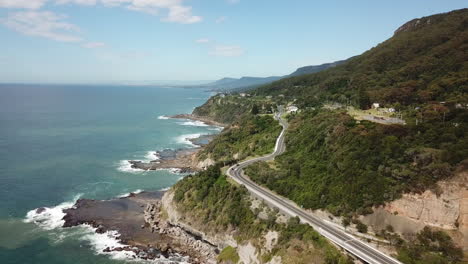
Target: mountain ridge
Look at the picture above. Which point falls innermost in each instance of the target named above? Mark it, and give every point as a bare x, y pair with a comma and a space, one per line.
249, 82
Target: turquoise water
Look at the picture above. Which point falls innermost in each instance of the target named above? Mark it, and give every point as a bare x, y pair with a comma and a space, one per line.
58, 143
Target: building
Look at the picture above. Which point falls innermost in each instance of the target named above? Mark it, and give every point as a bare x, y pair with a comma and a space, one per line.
292, 109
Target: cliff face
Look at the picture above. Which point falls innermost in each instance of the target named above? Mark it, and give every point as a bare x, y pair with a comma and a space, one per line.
248, 253
446, 210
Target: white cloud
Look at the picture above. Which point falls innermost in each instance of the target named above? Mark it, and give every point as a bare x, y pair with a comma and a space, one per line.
93, 45
177, 12
27, 4
79, 2
221, 19
202, 40
227, 51
42, 24
182, 14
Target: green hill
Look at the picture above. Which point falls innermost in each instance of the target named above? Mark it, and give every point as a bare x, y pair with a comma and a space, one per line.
347, 166
426, 60
336, 162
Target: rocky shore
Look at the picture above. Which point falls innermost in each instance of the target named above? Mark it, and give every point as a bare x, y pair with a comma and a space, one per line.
139, 221
183, 160
198, 118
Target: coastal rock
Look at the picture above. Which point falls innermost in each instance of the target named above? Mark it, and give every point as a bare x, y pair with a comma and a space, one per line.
205, 163
446, 210
40, 210
248, 254
193, 117
180, 160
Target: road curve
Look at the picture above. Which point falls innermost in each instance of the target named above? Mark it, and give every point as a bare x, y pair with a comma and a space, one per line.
330, 231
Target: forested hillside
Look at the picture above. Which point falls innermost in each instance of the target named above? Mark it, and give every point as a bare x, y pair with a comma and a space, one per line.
347, 166
252, 135
334, 162
425, 61
209, 200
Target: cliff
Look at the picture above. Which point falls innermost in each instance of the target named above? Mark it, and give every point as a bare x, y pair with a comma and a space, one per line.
444, 207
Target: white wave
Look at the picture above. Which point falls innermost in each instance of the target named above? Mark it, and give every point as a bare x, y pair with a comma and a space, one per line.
175, 171
110, 240
185, 139
126, 166
151, 155
194, 123
165, 189
50, 218
163, 117
216, 128
128, 194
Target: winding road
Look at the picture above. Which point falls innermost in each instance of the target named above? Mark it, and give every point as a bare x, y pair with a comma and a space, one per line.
338, 236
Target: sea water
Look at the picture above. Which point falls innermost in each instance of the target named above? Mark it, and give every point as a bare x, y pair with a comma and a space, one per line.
59, 143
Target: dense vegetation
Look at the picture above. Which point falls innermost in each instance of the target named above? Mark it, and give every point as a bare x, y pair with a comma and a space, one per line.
426, 60
228, 108
340, 164
251, 135
334, 162
430, 247
228, 255
209, 199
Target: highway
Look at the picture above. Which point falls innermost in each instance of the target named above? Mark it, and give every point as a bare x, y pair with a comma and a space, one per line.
338, 236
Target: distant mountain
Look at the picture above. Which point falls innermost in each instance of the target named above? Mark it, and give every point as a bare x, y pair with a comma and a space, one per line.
244, 83
224, 81
228, 84
315, 68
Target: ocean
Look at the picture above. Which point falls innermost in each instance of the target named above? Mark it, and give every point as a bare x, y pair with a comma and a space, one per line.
59, 143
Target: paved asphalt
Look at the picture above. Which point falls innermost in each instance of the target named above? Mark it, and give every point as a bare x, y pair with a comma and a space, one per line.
337, 235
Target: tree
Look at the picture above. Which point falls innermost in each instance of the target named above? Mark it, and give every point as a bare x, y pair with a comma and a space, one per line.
361, 228
254, 110
363, 98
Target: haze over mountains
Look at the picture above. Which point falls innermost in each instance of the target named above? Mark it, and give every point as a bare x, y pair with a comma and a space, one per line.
228, 84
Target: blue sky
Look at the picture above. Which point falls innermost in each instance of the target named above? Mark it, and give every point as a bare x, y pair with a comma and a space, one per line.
99, 41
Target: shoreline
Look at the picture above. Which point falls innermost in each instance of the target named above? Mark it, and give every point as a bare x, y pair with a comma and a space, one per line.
183, 160
141, 230
137, 220
193, 117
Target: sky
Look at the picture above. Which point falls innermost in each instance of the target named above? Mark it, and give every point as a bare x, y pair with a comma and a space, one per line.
118, 41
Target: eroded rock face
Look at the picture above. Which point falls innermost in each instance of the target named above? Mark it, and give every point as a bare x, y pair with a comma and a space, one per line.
194, 244
205, 163
447, 210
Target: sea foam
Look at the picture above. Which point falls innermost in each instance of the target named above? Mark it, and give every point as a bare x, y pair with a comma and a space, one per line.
50, 217
126, 166
194, 123
128, 194
110, 240
163, 117
185, 139
151, 156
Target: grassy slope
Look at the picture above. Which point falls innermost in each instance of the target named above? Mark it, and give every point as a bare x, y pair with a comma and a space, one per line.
249, 136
